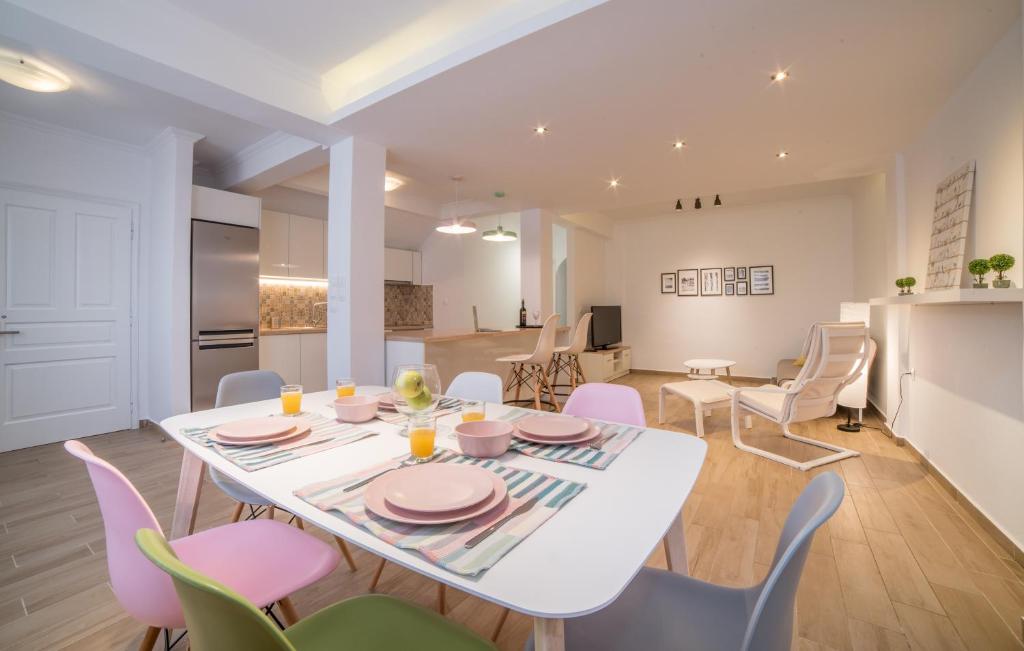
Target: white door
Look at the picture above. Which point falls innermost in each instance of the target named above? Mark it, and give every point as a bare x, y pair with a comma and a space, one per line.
65, 306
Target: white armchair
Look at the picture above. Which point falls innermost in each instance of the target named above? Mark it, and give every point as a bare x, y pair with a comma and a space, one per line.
835, 353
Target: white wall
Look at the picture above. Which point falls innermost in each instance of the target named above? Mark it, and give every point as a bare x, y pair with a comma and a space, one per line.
466, 270
587, 262
809, 243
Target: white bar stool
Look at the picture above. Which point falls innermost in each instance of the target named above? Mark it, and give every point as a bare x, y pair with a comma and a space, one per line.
566, 359
530, 369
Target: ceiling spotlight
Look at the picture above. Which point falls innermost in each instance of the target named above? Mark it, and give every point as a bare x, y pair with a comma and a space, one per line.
781, 75
782, 154
679, 204
678, 144
392, 183
541, 130
718, 200
696, 203
613, 183
31, 74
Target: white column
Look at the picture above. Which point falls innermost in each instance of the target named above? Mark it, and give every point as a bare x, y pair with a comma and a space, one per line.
535, 260
355, 262
165, 373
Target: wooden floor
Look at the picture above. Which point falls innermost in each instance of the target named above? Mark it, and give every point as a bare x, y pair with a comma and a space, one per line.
901, 565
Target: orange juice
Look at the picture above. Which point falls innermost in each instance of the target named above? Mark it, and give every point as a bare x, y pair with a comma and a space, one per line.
343, 390
421, 442
468, 416
291, 399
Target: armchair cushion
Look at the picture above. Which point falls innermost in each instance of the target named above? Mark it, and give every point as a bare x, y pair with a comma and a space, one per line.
767, 402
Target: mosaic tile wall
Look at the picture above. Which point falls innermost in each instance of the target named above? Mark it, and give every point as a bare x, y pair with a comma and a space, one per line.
292, 304
408, 305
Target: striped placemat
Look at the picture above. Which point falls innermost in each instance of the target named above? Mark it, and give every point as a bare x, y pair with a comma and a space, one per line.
326, 433
445, 406
615, 438
444, 544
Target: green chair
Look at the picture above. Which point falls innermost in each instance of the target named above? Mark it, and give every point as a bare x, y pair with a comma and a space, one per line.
222, 620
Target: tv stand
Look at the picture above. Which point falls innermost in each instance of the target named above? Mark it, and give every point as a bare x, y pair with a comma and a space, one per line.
606, 364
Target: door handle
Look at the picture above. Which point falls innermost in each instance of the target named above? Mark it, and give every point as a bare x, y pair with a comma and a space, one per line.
9, 332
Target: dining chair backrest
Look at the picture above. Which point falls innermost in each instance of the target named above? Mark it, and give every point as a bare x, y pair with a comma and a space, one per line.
216, 616
545, 342
616, 403
142, 590
474, 385
248, 386
835, 353
579, 335
770, 626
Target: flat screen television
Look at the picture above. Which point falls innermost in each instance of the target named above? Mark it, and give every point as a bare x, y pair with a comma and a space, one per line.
605, 326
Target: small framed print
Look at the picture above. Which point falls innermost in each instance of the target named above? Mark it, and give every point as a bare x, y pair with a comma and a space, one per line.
762, 280
741, 273
741, 287
711, 282
729, 274
686, 284
730, 289
668, 283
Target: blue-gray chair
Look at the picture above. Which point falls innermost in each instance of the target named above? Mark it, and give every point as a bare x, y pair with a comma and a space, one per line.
475, 385
661, 610
236, 389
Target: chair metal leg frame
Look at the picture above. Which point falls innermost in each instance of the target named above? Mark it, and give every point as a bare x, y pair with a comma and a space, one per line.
534, 377
570, 365
840, 452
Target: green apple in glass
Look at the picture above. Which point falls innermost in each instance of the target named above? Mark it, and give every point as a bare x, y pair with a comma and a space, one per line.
416, 388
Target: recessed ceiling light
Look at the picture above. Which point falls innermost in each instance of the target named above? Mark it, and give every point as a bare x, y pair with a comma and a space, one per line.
541, 130
678, 144
456, 227
613, 183
782, 154
31, 74
392, 183
781, 75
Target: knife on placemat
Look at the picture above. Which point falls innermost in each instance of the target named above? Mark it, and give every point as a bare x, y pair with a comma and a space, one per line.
479, 538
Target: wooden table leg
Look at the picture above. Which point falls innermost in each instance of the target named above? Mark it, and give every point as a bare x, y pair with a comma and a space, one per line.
186, 506
548, 634
675, 547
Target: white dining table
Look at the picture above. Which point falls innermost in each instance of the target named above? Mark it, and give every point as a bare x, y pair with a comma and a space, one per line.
576, 563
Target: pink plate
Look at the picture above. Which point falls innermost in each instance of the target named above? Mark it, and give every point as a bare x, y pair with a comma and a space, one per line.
553, 427
591, 433
302, 430
378, 503
438, 487
254, 428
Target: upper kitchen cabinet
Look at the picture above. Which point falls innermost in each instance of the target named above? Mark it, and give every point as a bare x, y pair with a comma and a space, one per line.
402, 266
292, 245
274, 243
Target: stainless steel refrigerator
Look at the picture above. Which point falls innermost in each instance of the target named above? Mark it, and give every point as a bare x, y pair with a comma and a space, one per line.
225, 305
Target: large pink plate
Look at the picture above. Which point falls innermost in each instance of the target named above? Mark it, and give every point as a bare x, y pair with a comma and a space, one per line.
302, 430
254, 428
590, 434
438, 487
378, 503
553, 427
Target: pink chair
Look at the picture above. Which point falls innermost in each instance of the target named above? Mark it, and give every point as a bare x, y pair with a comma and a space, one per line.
263, 560
615, 403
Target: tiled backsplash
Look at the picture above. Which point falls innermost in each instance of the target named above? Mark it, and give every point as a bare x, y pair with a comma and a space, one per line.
408, 305
293, 304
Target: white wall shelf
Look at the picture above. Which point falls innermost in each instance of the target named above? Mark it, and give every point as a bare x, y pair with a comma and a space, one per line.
955, 296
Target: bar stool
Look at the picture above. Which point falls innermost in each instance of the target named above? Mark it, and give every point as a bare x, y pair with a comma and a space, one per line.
530, 369
567, 358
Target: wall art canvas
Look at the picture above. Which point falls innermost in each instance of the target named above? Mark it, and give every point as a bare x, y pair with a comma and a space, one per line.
741, 288
711, 282
687, 283
762, 280
729, 274
668, 283
949, 229
741, 273
730, 289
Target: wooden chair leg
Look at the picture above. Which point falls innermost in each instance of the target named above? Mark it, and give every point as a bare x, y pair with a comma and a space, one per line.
237, 513
551, 394
572, 372
351, 563
299, 523
270, 511
149, 639
376, 575
539, 380
501, 622
291, 616
441, 593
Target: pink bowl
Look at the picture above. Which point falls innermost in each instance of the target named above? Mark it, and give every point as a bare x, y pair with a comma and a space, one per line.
356, 409
484, 438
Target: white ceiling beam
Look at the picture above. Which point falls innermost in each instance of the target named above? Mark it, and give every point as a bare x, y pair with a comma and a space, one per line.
276, 158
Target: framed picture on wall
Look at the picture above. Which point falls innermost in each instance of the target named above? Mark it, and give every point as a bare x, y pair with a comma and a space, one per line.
730, 289
668, 283
711, 282
741, 288
741, 273
762, 280
729, 274
687, 283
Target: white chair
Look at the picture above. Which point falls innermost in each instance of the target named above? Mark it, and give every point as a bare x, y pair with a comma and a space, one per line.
474, 385
835, 354
566, 359
530, 369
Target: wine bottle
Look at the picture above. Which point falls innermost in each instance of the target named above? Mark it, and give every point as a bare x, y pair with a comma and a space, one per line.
522, 315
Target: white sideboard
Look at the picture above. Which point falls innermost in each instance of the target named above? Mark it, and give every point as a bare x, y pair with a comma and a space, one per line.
605, 365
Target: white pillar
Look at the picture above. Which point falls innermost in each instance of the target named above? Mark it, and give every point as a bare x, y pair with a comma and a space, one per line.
355, 262
535, 260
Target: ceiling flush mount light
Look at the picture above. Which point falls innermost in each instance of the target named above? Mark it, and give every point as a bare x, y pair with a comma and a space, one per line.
718, 200
679, 204
456, 226
541, 130
696, 203
31, 74
782, 154
781, 75
392, 183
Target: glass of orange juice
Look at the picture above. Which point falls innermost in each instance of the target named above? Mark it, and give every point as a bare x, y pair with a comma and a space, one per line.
422, 431
473, 410
291, 399
345, 387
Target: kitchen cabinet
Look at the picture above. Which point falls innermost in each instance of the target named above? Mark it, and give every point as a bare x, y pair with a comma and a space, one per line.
274, 243
402, 266
281, 354
292, 245
312, 361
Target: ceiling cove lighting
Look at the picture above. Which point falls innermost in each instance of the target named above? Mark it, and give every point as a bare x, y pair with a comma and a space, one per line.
782, 154
781, 75
392, 183
272, 281
456, 226
31, 74
679, 204
718, 200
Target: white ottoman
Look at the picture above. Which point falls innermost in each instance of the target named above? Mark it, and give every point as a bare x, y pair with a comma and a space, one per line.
706, 395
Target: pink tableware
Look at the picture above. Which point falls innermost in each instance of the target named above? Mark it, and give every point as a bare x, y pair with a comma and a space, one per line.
484, 438
254, 428
377, 503
302, 430
553, 427
356, 409
438, 487
590, 434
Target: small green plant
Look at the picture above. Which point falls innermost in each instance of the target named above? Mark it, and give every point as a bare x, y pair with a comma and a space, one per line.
1000, 263
909, 283
902, 284
978, 269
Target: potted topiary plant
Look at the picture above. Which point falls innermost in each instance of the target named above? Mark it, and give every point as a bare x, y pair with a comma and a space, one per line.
909, 283
1001, 262
902, 285
978, 269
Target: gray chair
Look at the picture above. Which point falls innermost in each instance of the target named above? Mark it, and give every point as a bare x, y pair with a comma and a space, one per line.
475, 385
662, 610
236, 389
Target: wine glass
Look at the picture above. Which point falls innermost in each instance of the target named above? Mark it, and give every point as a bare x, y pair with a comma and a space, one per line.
415, 388
536, 317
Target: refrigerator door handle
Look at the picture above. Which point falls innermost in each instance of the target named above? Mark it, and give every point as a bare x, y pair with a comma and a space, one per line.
247, 343
231, 333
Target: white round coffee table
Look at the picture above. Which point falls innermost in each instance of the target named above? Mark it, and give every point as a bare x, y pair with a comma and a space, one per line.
704, 369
